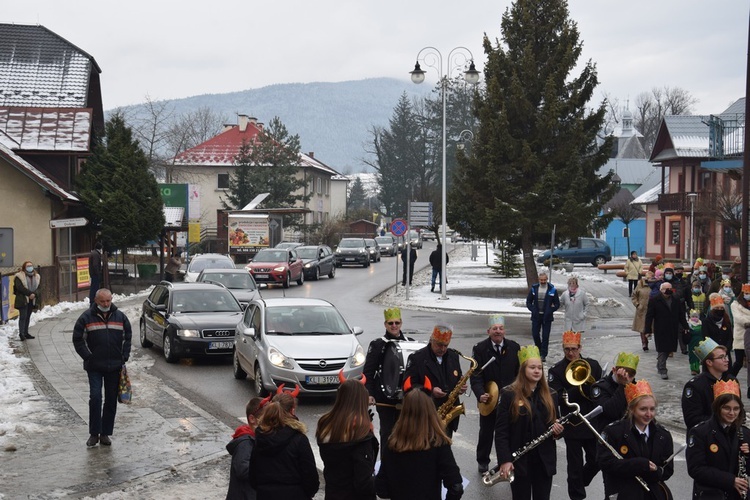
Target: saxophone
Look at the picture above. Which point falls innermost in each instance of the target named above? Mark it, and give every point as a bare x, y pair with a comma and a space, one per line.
742, 468
449, 410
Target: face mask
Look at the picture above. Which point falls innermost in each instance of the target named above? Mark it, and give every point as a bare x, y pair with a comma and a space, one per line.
103, 309
696, 291
747, 297
702, 276
727, 289
668, 291
668, 276
30, 269
717, 314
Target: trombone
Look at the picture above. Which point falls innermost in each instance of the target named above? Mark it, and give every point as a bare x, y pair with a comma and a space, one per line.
578, 372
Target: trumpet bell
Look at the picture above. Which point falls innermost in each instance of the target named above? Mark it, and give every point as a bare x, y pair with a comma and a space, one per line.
578, 372
488, 407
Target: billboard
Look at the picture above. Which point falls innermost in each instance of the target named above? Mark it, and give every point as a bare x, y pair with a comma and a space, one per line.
247, 233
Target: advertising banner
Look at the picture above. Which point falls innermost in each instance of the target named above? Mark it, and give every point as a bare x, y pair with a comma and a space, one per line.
82, 272
247, 233
5, 296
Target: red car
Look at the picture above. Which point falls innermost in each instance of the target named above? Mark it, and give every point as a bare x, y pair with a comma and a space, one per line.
278, 266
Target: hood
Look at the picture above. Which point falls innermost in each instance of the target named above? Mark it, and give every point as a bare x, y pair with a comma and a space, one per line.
245, 295
235, 443
306, 261
312, 346
355, 250
275, 442
200, 321
260, 263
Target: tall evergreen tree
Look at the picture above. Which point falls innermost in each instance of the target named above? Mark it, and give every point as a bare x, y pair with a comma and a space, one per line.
357, 196
120, 194
534, 162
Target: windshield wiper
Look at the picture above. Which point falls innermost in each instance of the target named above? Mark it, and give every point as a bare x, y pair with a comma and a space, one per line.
278, 332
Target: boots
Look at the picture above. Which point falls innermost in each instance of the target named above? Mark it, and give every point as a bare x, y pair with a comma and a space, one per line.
644, 341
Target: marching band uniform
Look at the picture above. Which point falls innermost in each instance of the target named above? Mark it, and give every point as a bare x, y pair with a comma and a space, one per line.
610, 395
579, 439
502, 371
624, 436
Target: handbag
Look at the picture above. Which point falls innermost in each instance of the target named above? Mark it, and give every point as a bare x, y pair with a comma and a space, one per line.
124, 390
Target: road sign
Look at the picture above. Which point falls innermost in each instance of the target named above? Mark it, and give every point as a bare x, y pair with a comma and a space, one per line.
398, 227
63, 223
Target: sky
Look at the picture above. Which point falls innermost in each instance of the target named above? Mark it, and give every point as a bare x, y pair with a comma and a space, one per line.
171, 50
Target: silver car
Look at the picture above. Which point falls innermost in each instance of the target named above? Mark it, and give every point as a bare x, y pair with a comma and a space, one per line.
238, 281
200, 262
296, 341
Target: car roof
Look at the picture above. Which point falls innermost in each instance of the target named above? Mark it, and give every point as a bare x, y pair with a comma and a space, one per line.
200, 285
352, 239
211, 256
234, 270
295, 301
309, 246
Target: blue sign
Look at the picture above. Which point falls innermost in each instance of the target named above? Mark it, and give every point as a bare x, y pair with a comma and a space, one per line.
398, 227
5, 298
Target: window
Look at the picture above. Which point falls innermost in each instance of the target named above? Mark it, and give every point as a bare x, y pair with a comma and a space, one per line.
675, 232
320, 185
312, 185
657, 232
223, 181
328, 186
588, 244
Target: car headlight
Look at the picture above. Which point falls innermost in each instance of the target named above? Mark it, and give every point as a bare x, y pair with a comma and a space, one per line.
338, 250
362, 250
188, 333
359, 356
278, 359
308, 265
279, 269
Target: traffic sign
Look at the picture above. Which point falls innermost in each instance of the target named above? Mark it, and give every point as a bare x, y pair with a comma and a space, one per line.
63, 223
398, 227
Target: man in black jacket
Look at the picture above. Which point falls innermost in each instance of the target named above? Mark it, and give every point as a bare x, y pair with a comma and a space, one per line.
667, 319
412, 261
442, 366
609, 391
101, 337
501, 372
436, 261
96, 270
698, 395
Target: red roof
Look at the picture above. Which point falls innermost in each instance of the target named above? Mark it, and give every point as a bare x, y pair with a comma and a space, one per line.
221, 149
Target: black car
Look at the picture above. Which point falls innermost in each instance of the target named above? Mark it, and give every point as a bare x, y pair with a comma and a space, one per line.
388, 245
352, 251
238, 281
189, 320
318, 261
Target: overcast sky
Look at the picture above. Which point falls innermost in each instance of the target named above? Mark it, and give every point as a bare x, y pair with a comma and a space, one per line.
169, 50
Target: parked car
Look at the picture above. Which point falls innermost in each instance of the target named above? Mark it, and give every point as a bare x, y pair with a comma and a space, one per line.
189, 319
416, 241
456, 238
272, 265
581, 251
373, 248
428, 235
296, 341
288, 245
239, 282
317, 260
388, 245
352, 251
199, 262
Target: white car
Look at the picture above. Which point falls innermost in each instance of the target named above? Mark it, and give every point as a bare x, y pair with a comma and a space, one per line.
203, 261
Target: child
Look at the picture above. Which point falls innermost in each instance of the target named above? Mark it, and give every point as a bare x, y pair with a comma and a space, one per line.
696, 335
241, 448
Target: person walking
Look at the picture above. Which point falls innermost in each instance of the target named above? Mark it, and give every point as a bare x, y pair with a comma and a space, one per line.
101, 337
241, 449
542, 301
633, 267
640, 299
696, 337
576, 304
436, 261
173, 266
697, 394
666, 318
96, 270
26, 291
412, 260
740, 309
486, 383
717, 324
347, 445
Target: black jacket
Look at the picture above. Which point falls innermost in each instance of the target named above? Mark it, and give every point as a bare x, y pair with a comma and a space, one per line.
412, 256
436, 258
697, 397
610, 395
95, 263
417, 475
720, 333
103, 344
619, 475
373, 365
575, 428
348, 469
283, 466
713, 458
666, 322
503, 371
445, 375
241, 449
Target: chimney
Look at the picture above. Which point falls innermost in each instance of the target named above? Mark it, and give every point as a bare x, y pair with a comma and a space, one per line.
242, 121
311, 154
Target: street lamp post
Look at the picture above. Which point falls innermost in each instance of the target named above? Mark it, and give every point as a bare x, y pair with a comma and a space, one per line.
431, 57
692, 197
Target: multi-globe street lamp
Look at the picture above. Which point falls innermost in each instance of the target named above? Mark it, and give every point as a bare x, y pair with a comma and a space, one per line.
431, 57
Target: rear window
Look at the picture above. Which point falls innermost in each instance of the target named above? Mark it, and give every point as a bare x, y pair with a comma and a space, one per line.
197, 264
195, 301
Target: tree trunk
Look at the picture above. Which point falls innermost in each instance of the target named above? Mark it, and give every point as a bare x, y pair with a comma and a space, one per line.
527, 250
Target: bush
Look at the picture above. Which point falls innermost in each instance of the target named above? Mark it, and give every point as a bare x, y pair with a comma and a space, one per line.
507, 263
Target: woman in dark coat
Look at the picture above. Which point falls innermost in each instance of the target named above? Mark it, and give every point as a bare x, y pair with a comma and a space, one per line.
717, 324
347, 445
715, 446
641, 457
527, 410
282, 465
25, 288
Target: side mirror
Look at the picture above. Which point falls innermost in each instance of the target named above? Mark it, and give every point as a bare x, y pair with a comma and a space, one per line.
356, 330
160, 307
249, 332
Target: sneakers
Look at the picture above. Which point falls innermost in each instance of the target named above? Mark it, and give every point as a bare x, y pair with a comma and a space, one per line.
93, 439
664, 376
30, 336
105, 440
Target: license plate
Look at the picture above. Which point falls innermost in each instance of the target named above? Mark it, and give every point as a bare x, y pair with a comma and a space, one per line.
322, 379
261, 276
350, 259
220, 345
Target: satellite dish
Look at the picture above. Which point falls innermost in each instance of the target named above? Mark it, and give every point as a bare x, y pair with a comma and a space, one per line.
256, 201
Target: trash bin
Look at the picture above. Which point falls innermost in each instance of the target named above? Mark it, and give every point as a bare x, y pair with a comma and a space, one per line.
146, 271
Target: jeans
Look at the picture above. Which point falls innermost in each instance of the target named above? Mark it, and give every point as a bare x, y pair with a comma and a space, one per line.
537, 324
24, 316
103, 422
436, 276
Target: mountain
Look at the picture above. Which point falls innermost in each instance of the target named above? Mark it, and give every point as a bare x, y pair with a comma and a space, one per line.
333, 120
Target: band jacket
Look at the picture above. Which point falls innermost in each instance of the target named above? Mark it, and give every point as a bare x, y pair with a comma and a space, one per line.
610, 395
412, 475
713, 459
445, 375
511, 436
502, 371
619, 475
574, 428
103, 344
373, 364
666, 321
697, 397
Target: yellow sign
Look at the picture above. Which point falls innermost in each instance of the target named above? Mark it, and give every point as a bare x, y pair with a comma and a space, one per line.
82, 272
194, 232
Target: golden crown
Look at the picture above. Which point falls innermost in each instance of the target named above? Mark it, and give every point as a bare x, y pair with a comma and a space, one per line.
528, 352
637, 389
394, 313
627, 360
746, 288
571, 338
442, 333
728, 387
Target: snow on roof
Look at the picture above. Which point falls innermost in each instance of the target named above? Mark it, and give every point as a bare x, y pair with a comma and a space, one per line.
45, 129
652, 195
34, 174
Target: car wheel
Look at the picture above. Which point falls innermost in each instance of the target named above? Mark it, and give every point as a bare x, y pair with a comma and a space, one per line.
144, 341
239, 373
169, 355
332, 274
288, 280
316, 274
301, 278
599, 260
260, 391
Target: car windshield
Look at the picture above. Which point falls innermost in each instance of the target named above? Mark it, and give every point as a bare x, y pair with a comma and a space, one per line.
351, 244
271, 256
200, 301
413, 234
197, 264
234, 281
305, 320
307, 252
287, 244
384, 240
370, 242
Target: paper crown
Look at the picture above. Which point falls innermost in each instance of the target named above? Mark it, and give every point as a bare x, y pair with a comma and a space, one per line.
726, 282
571, 338
668, 265
716, 300
699, 260
495, 319
694, 313
705, 347
728, 387
442, 333
394, 313
637, 389
746, 288
627, 360
528, 352
703, 269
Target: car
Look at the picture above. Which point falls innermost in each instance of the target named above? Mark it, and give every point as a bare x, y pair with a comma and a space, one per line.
428, 235
352, 251
277, 266
239, 282
199, 262
296, 341
581, 251
401, 242
373, 248
189, 320
288, 245
388, 245
416, 241
318, 261
456, 238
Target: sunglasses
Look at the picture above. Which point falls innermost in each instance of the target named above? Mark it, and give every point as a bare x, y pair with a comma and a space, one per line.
391, 323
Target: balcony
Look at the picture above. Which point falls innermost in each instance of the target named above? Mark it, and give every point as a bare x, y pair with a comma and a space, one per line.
679, 202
